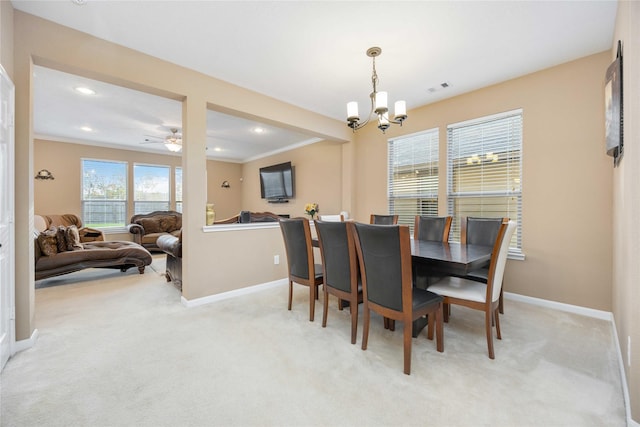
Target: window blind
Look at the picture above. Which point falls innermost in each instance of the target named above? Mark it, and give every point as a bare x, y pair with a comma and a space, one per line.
484, 170
413, 176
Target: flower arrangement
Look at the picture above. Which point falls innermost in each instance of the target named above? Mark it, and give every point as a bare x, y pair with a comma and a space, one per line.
311, 209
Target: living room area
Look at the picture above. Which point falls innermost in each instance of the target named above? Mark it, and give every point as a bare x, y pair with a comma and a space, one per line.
577, 217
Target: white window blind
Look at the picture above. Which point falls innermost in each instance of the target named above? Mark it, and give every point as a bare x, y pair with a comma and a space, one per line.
413, 176
484, 169
150, 188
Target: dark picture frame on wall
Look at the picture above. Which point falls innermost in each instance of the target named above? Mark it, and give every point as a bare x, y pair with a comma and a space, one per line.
614, 113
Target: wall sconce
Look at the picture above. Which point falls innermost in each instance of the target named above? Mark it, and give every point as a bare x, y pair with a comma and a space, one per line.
225, 184
44, 174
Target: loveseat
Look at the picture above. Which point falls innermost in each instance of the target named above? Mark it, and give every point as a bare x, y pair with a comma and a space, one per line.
58, 250
146, 228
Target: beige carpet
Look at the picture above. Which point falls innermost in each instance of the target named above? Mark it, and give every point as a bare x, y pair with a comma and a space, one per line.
121, 350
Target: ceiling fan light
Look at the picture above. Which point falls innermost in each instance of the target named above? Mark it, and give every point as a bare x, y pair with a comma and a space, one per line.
174, 147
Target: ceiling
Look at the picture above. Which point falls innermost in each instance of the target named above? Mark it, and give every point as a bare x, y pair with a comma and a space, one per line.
307, 53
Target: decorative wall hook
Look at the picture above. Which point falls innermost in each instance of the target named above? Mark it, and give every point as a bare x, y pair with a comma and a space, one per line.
225, 184
44, 174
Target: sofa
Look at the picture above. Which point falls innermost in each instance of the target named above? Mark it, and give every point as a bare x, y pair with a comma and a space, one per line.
146, 228
58, 251
44, 222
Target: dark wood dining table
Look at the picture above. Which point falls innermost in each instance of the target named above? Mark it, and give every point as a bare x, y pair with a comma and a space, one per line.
450, 258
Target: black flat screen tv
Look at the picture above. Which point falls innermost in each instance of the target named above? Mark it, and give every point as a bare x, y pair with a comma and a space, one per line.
276, 183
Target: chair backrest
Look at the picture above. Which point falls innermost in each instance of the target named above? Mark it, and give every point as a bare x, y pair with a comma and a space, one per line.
432, 228
338, 251
499, 259
383, 219
333, 218
384, 253
480, 231
297, 241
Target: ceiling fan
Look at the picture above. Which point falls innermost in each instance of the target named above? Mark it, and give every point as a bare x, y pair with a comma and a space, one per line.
172, 142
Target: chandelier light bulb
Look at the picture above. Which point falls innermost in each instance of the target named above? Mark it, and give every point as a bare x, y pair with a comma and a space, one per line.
352, 111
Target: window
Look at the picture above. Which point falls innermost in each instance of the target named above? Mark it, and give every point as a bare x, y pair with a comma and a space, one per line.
484, 169
104, 193
413, 176
179, 189
150, 188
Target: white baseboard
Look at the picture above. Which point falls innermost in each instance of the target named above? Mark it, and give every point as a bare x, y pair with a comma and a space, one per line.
584, 311
232, 294
25, 344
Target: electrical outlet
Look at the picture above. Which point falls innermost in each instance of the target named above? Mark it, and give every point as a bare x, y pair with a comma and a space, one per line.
276, 259
629, 350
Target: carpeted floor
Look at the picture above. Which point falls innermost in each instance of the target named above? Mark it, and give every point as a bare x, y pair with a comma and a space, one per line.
121, 350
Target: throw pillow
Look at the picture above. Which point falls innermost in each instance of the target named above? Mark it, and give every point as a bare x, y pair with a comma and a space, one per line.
150, 225
60, 237
168, 223
48, 242
72, 238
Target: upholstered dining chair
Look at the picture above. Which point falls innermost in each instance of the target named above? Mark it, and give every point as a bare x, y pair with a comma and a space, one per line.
332, 218
339, 268
384, 255
383, 219
481, 231
434, 229
302, 269
477, 295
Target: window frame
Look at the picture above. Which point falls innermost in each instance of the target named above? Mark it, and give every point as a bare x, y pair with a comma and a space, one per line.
135, 201
426, 195
124, 201
485, 123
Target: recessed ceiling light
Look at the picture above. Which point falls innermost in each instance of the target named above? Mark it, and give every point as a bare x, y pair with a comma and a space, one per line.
258, 130
85, 90
79, 2
217, 149
86, 129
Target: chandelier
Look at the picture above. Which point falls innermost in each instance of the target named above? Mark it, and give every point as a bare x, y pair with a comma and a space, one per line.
173, 142
378, 103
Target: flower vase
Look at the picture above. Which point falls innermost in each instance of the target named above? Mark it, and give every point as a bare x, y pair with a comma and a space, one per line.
211, 214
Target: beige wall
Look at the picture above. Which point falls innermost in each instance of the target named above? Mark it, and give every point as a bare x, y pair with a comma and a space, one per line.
626, 205
6, 37
566, 177
318, 179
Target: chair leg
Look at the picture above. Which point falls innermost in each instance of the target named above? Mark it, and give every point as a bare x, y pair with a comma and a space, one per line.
488, 316
313, 290
430, 325
497, 317
325, 308
365, 327
501, 302
407, 347
290, 293
353, 306
445, 309
439, 329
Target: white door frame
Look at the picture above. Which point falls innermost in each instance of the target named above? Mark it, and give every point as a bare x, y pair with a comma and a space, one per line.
7, 218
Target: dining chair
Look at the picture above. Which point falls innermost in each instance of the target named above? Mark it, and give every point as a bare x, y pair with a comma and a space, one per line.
333, 218
383, 219
339, 268
296, 233
384, 255
481, 231
434, 229
477, 295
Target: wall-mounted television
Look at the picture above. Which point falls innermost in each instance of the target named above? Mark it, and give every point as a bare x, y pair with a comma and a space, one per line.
276, 183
